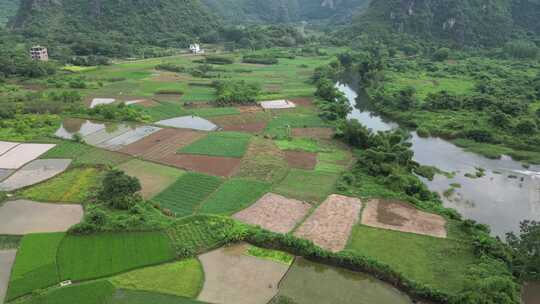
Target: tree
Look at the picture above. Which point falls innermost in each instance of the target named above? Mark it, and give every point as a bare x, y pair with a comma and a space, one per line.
354, 133
441, 54
406, 98
119, 190
526, 126
527, 250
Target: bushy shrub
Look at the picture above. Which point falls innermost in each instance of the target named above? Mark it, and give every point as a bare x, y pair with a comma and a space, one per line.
119, 190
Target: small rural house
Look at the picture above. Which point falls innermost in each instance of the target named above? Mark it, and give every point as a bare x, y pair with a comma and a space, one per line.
196, 48
39, 53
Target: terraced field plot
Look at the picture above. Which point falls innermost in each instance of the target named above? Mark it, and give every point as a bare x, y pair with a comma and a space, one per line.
184, 196
188, 122
311, 186
275, 213
4, 173
224, 144
6, 146
21, 154
73, 186
318, 133
34, 172
98, 292
263, 161
142, 297
213, 165
162, 143
33, 271
233, 277
7, 258
301, 160
311, 283
83, 127
331, 224
154, 178
85, 155
23, 217
128, 137
182, 278
400, 216
111, 253
234, 195
110, 132
199, 233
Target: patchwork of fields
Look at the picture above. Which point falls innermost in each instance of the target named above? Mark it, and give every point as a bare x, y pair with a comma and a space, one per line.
206, 171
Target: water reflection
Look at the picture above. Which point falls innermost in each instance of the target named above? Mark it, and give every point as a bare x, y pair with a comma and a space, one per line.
506, 195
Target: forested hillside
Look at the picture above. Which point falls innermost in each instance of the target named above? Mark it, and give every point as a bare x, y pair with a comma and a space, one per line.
8, 8
461, 22
242, 11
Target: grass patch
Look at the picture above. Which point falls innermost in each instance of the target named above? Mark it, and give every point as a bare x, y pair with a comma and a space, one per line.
212, 112
263, 161
83, 154
9, 242
182, 278
153, 177
335, 161
300, 144
226, 144
311, 186
104, 254
143, 297
421, 258
184, 195
98, 292
162, 111
200, 233
269, 254
281, 125
234, 195
73, 186
35, 265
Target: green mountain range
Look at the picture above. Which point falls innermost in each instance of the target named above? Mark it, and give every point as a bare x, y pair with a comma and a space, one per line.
461, 22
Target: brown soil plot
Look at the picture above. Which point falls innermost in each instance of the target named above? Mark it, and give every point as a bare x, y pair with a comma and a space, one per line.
251, 122
22, 217
163, 142
275, 213
400, 216
301, 160
232, 277
317, 133
303, 101
331, 224
214, 165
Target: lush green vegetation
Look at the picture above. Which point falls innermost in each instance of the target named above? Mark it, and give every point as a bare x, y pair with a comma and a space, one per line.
234, 195
35, 266
84, 154
143, 297
310, 186
421, 258
86, 293
227, 144
183, 278
184, 196
110, 253
263, 162
273, 255
74, 186
526, 245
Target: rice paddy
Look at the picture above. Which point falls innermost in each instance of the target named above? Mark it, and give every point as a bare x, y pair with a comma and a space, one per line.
225, 144
234, 195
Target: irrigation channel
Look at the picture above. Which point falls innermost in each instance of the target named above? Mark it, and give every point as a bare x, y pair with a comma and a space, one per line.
505, 196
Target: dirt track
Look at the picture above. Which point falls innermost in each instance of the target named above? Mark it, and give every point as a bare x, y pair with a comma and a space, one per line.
400, 216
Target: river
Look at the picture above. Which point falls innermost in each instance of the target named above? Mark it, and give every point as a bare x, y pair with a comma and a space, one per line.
505, 196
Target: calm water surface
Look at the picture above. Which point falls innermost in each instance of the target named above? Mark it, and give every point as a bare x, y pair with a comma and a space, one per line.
505, 196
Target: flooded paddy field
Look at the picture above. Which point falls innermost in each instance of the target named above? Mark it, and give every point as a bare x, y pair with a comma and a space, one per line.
34, 172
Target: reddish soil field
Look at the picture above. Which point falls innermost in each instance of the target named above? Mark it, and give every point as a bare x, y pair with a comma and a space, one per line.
251, 122
218, 166
331, 224
303, 101
275, 213
400, 216
249, 109
163, 142
301, 160
318, 133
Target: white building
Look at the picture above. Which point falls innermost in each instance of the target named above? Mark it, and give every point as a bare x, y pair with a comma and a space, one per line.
196, 48
39, 53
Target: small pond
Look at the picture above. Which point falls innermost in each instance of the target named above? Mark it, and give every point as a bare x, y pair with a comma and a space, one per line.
312, 283
189, 122
505, 196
